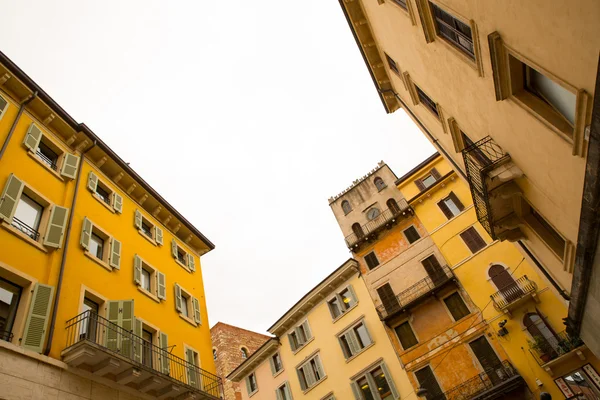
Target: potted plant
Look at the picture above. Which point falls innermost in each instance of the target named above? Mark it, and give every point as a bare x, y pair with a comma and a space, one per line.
542, 348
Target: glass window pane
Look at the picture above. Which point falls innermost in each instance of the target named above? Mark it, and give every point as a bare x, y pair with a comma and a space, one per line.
345, 346
29, 212
553, 93
346, 299
145, 279
452, 207
9, 301
184, 306
362, 335
428, 181
365, 389
146, 228
457, 306
96, 246
383, 388
334, 305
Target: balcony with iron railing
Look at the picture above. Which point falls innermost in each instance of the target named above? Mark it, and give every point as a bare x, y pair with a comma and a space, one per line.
46, 160
490, 384
114, 353
384, 220
554, 350
491, 174
26, 229
514, 294
415, 294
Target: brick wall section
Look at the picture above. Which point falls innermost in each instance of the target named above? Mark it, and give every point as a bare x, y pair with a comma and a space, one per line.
228, 340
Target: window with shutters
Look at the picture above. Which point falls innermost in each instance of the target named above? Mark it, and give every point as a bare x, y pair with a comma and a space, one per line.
300, 336
342, 302
100, 246
283, 392
428, 180
148, 229
10, 296
456, 305
311, 373
376, 383
3, 106
102, 192
371, 260
276, 364
149, 280
251, 384
406, 335
49, 154
355, 340
182, 257
194, 375
411, 234
451, 206
187, 306
30, 216
473, 240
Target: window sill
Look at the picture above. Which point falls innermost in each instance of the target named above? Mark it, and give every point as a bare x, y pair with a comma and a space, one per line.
188, 320
253, 393
109, 208
182, 265
336, 319
472, 62
315, 385
278, 372
23, 236
147, 293
98, 261
148, 238
359, 353
299, 349
43, 164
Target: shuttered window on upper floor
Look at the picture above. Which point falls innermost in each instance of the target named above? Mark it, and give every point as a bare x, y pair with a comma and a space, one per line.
473, 240
147, 228
3, 106
100, 246
104, 193
49, 154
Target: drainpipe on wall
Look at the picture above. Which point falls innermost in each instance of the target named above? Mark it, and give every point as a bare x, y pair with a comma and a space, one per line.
14, 125
64, 254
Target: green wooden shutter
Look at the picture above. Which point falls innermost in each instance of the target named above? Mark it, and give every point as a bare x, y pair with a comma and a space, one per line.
191, 262
115, 254
10, 197
137, 221
319, 365
137, 270
353, 298
178, 298
192, 376
272, 364
117, 202
161, 286
356, 391
307, 330
164, 355
352, 342
92, 183
278, 394
311, 379
3, 106
302, 380
288, 391
69, 167
33, 137
138, 342
86, 233
299, 336
34, 334
158, 235
196, 305
127, 319
248, 388
292, 344
113, 316
390, 381
174, 248
56, 227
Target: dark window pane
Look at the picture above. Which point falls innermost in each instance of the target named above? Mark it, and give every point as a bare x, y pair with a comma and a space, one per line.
365, 389
383, 387
371, 260
429, 104
10, 294
457, 306
47, 155
401, 3
406, 335
334, 306
456, 32
412, 235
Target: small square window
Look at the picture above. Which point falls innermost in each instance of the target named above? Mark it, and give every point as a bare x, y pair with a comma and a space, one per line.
371, 260
412, 235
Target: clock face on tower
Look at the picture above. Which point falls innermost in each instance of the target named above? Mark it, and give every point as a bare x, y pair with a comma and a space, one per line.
373, 213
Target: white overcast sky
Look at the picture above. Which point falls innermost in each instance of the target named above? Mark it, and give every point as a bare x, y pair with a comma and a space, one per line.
245, 116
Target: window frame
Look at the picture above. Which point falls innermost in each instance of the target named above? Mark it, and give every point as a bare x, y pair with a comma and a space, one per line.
407, 238
373, 255
540, 229
407, 321
392, 64
507, 68
351, 330
276, 371
105, 261
8, 104
338, 296
249, 383
472, 228
454, 198
414, 96
367, 374
456, 292
349, 205
244, 352
295, 345
282, 393
189, 303
98, 180
52, 144
189, 267
308, 362
154, 273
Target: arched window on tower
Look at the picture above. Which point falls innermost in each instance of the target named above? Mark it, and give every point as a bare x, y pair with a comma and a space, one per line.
346, 207
379, 184
393, 206
357, 229
244, 353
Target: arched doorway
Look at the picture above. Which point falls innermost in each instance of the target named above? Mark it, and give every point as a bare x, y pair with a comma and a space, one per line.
393, 206
505, 283
357, 229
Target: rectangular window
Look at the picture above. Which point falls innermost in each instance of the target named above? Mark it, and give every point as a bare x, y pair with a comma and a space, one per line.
428, 103
354, 340
299, 336
276, 364
388, 298
406, 335
284, 392
454, 31
451, 206
401, 3
427, 381
47, 154
392, 64
251, 384
146, 279
147, 229
375, 384
184, 258
104, 193
456, 306
342, 302
99, 245
147, 348
96, 246
428, 181
27, 216
371, 260
3, 106
310, 373
412, 235
10, 294
473, 240
185, 304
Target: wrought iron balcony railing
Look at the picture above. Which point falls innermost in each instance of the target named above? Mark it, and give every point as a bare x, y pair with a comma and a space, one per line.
47, 160
7, 336
26, 229
499, 376
481, 157
545, 349
412, 295
88, 327
382, 220
513, 292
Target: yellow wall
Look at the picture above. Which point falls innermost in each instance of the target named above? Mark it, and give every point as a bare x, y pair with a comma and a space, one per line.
472, 272
267, 383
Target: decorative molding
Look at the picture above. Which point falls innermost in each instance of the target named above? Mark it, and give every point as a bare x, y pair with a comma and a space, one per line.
82, 145
356, 182
143, 199
156, 211
119, 176
102, 161
131, 188
4, 78
177, 228
49, 119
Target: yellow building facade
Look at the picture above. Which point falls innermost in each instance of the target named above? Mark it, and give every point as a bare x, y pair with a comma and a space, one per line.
522, 308
329, 345
100, 276
510, 104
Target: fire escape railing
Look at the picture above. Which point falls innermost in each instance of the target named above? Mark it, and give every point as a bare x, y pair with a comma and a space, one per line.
481, 157
377, 223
